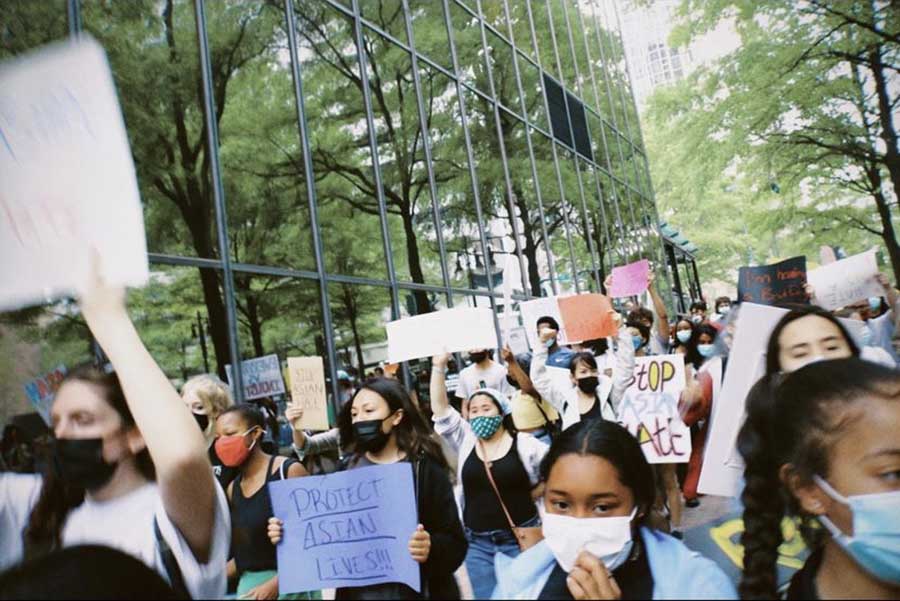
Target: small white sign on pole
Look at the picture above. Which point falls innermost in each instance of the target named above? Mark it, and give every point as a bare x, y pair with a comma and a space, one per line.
67, 180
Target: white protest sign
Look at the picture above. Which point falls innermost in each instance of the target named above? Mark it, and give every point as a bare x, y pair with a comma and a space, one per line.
262, 377
517, 339
448, 331
535, 309
306, 376
846, 281
67, 180
649, 409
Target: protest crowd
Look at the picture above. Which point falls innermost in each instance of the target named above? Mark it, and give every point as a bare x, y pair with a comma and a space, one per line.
558, 463
539, 476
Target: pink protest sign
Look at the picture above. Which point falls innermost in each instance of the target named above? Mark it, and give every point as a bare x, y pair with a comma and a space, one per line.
630, 280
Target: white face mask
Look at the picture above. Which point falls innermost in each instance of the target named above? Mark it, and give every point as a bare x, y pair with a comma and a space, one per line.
608, 539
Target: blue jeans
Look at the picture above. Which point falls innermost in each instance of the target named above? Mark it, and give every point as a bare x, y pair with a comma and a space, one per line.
483, 546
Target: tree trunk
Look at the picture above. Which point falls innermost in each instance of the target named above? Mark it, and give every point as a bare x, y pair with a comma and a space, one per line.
888, 235
255, 325
415, 262
531, 247
886, 118
353, 316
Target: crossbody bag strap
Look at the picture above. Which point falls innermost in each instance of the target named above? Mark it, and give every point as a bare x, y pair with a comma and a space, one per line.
487, 470
170, 563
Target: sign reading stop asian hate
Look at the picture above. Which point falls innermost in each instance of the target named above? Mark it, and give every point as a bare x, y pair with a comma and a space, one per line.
346, 529
775, 284
262, 377
649, 409
306, 376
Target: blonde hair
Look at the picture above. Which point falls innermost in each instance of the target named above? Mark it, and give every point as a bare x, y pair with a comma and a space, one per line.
214, 395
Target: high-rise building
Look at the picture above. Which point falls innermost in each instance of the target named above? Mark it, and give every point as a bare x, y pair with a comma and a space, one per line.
368, 160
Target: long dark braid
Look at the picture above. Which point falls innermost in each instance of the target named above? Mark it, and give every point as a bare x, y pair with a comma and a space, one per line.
792, 421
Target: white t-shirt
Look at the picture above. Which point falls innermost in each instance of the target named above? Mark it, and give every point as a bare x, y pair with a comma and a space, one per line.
124, 523
473, 377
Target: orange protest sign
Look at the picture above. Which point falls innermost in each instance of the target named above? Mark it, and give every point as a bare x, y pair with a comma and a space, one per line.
587, 317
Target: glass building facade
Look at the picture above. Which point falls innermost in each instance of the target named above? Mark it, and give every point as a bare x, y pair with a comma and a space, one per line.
311, 169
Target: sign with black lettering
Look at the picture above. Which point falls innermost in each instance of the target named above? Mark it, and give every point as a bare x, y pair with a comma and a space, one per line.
649, 409
774, 284
346, 529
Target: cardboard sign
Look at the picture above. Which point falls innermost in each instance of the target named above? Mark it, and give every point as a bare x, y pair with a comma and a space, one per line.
847, 281
307, 381
67, 180
774, 284
42, 390
262, 377
650, 409
630, 280
448, 331
346, 529
587, 317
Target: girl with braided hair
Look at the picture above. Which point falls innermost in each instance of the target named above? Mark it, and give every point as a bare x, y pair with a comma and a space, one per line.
822, 444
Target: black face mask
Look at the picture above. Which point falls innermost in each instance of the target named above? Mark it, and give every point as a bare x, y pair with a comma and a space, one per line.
512, 382
79, 462
589, 384
478, 357
202, 420
369, 435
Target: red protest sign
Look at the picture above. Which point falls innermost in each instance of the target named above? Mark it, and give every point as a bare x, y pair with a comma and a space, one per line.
587, 317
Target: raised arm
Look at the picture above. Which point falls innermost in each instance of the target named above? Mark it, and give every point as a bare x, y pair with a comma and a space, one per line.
659, 307
540, 377
304, 444
518, 374
440, 405
623, 370
183, 471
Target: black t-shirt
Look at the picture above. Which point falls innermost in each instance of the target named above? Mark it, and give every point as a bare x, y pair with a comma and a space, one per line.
595, 412
483, 512
633, 577
803, 583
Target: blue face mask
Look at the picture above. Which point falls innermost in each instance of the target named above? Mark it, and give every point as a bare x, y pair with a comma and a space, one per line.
875, 303
549, 344
637, 341
683, 336
706, 350
486, 426
875, 544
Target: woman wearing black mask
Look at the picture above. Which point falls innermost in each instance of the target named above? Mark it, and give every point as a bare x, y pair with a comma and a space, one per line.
208, 397
590, 394
382, 426
102, 488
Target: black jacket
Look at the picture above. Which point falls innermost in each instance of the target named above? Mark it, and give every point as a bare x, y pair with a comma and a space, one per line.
438, 512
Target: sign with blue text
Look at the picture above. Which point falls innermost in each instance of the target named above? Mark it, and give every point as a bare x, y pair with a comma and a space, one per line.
262, 377
346, 529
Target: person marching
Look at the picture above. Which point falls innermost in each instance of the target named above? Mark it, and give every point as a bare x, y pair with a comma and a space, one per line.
497, 474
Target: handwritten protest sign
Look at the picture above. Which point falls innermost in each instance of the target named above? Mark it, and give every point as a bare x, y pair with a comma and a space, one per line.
307, 381
262, 377
587, 317
346, 529
774, 284
630, 280
67, 180
847, 281
448, 331
41, 391
650, 409
517, 339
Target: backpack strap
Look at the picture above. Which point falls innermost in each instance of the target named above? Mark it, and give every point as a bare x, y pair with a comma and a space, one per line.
170, 563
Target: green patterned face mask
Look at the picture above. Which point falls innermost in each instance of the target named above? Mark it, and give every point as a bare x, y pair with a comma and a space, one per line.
486, 426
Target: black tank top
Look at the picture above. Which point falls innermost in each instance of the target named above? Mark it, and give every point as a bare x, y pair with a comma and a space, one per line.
482, 509
253, 551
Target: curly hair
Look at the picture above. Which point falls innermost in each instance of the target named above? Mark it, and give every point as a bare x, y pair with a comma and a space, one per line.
214, 395
795, 419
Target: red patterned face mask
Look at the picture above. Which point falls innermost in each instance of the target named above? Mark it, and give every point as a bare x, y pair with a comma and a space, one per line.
232, 450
